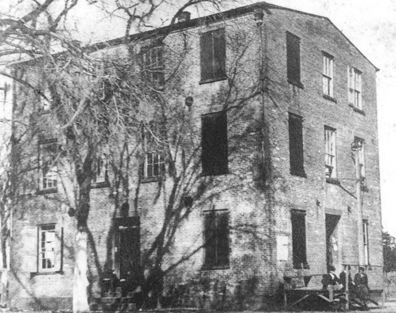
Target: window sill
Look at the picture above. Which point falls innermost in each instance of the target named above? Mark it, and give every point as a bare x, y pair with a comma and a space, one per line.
333, 181
357, 110
215, 267
33, 274
151, 179
47, 191
203, 174
212, 80
298, 173
330, 98
103, 184
297, 84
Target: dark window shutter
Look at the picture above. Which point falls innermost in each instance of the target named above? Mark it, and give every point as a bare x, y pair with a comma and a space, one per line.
214, 144
223, 249
298, 238
296, 145
210, 239
206, 56
219, 53
293, 58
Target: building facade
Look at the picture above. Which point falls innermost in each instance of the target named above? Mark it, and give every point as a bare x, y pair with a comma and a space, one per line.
274, 99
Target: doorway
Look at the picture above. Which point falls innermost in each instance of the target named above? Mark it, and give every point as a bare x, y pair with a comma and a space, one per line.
332, 240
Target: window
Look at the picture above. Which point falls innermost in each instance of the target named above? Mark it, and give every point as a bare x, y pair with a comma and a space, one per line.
47, 247
153, 165
355, 88
366, 242
213, 55
42, 247
293, 59
216, 239
330, 152
299, 239
296, 147
153, 66
328, 65
361, 157
214, 144
101, 172
47, 162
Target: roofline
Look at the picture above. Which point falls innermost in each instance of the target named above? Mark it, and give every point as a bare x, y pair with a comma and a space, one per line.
216, 17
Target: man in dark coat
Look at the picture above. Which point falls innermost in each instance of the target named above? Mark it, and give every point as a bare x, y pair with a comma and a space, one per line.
362, 289
351, 283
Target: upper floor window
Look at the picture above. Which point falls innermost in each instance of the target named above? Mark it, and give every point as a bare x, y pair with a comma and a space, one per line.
47, 163
361, 158
328, 72
153, 165
296, 146
213, 55
216, 233
214, 144
101, 176
330, 152
293, 59
355, 88
153, 66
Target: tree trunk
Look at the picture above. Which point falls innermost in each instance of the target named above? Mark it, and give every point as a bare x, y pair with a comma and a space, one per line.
80, 293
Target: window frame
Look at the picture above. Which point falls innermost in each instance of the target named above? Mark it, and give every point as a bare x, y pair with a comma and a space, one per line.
153, 65
330, 143
293, 59
51, 230
157, 158
52, 174
355, 88
328, 75
213, 60
216, 253
101, 175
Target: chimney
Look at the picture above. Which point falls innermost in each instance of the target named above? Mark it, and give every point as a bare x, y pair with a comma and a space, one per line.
184, 16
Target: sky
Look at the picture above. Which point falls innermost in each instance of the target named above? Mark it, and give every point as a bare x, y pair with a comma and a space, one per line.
369, 24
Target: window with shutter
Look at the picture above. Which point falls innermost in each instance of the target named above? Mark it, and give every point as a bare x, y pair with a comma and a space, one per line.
299, 239
296, 147
214, 144
293, 59
213, 54
216, 233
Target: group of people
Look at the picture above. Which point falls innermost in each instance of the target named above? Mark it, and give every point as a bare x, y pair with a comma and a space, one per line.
358, 287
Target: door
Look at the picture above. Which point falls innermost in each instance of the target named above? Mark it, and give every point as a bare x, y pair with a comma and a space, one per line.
127, 247
332, 242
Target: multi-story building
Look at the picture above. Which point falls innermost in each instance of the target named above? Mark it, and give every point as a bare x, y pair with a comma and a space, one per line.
274, 98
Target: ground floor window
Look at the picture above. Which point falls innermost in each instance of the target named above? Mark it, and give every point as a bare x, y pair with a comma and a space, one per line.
299, 239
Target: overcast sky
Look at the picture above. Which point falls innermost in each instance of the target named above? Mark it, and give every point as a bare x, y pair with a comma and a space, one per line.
369, 24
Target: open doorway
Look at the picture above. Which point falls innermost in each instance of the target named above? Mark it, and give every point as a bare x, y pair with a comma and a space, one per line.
332, 240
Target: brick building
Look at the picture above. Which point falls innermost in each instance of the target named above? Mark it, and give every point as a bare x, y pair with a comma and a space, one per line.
275, 97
